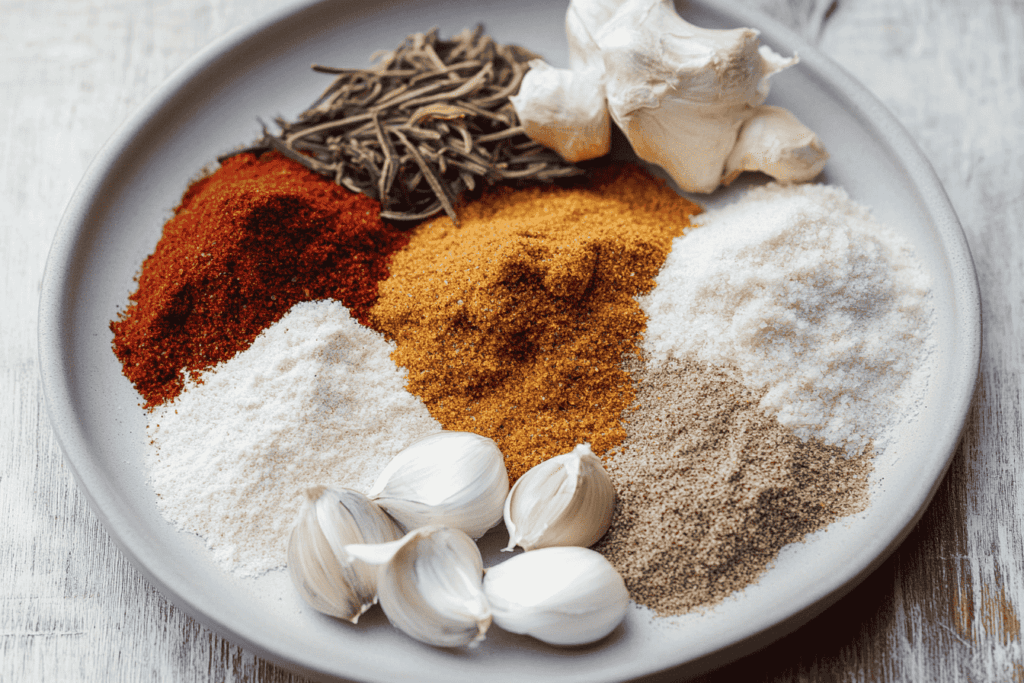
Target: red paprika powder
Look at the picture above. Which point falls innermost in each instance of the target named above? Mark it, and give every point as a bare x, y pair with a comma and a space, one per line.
246, 244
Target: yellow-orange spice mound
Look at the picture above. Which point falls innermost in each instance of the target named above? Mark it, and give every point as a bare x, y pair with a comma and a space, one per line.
514, 325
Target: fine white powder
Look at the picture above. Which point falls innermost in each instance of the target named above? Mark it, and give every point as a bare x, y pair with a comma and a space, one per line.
801, 293
315, 400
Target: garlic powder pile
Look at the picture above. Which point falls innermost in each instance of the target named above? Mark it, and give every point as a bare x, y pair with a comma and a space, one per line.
316, 400
804, 296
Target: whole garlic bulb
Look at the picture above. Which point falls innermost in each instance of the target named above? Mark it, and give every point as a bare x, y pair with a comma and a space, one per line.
562, 596
454, 479
429, 585
320, 570
680, 93
687, 98
566, 500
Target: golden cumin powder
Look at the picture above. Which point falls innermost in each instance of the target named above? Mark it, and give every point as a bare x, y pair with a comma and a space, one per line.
514, 324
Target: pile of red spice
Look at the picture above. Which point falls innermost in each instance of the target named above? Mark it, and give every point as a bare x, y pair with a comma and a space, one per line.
246, 244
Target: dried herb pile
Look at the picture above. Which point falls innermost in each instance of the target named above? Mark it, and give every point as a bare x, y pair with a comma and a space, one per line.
421, 126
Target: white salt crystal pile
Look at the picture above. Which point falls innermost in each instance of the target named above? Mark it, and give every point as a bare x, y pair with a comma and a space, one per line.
802, 294
315, 400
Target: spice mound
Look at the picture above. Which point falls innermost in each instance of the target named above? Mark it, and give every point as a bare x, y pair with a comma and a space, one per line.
514, 325
810, 301
314, 401
710, 488
245, 244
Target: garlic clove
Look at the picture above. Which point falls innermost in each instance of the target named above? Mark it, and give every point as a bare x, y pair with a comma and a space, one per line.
680, 93
775, 142
562, 596
429, 584
455, 479
328, 521
564, 110
566, 500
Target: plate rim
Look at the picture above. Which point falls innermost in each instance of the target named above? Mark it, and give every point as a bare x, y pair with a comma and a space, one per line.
54, 305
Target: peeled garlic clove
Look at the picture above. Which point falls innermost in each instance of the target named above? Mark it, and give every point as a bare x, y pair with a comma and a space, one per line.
564, 110
455, 479
774, 141
429, 583
326, 579
563, 596
566, 500
680, 93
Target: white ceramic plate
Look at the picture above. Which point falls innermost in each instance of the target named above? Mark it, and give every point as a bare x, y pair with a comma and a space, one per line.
210, 106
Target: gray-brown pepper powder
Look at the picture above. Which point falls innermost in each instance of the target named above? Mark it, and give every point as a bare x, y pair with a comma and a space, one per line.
710, 488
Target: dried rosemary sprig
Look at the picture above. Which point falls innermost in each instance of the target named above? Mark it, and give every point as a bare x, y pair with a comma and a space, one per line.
421, 126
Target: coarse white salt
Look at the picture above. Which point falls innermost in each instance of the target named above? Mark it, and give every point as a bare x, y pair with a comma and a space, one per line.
801, 293
316, 400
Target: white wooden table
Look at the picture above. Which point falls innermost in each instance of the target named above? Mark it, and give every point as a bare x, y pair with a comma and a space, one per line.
946, 607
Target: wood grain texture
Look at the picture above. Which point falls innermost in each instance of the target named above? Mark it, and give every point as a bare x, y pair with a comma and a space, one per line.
73, 609
946, 607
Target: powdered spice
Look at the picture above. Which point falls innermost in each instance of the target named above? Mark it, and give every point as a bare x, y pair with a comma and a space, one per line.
245, 244
810, 299
710, 488
514, 325
314, 401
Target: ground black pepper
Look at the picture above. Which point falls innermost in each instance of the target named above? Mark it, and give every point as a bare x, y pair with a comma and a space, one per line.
710, 488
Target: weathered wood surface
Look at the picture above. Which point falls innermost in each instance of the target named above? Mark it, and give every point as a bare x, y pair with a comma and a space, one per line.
946, 606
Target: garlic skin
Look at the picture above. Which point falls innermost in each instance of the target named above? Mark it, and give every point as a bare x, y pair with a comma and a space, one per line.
566, 500
562, 596
564, 110
429, 585
583, 20
774, 142
321, 572
454, 479
680, 93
